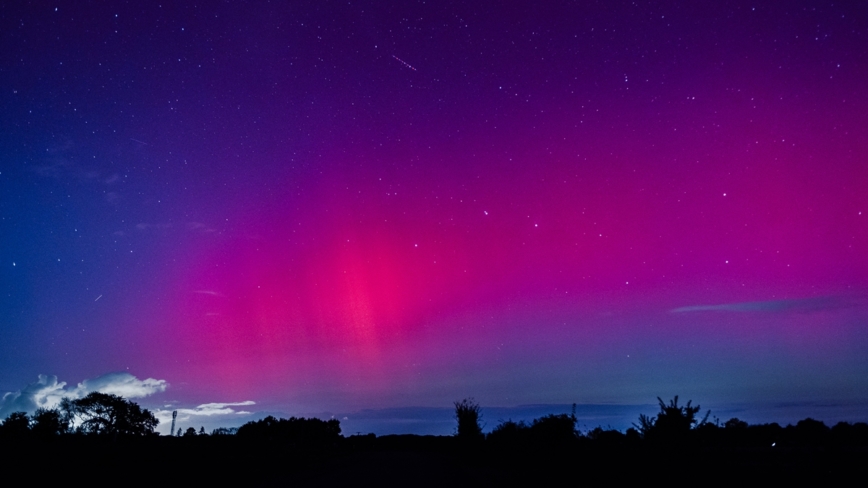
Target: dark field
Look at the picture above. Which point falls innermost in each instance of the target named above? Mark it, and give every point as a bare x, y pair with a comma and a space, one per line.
418, 461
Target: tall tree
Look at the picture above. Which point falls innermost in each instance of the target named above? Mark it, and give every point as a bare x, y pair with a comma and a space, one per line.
48, 422
103, 413
467, 413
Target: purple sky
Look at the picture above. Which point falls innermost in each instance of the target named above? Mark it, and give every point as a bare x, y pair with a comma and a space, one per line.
337, 206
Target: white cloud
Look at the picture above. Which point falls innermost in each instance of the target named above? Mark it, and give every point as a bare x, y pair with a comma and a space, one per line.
47, 392
201, 414
122, 384
215, 407
803, 305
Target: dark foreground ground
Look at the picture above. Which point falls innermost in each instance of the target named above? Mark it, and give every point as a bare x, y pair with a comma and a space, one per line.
415, 461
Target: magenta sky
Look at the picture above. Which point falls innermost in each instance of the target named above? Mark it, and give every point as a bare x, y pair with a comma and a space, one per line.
592, 204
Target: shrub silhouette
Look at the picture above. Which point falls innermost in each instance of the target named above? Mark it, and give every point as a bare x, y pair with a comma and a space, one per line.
609, 438
735, 424
224, 431
849, 435
48, 422
810, 432
294, 430
467, 413
16, 425
509, 434
673, 423
554, 429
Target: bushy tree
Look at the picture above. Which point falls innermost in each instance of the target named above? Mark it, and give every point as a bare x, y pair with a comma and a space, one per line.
850, 435
48, 422
295, 430
554, 429
608, 437
16, 425
467, 413
673, 423
675, 418
810, 432
103, 413
509, 434
735, 424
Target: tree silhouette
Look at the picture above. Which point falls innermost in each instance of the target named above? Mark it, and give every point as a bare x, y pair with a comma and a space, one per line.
16, 425
48, 422
645, 425
467, 413
67, 412
554, 429
103, 413
811, 432
673, 423
311, 431
735, 424
675, 418
190, 432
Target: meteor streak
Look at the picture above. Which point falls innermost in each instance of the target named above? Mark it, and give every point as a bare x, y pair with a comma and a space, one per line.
404, 62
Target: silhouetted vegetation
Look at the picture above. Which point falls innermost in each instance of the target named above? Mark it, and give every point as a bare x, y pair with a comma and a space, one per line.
541, 452
467, 413
106, 414
554, 429
300, 431
672, 425
224, 431
16, 425
49, 422
510, 434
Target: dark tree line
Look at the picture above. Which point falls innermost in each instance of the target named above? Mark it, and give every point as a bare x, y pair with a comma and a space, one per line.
95, 414
674, 426
100, 414
301, 431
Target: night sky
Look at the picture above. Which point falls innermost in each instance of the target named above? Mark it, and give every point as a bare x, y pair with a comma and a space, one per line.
304, 207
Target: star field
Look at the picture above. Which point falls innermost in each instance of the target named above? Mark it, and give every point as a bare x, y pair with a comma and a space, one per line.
339, 205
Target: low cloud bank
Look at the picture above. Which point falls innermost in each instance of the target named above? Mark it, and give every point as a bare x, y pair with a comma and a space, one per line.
801, 305
47, 392
207, 415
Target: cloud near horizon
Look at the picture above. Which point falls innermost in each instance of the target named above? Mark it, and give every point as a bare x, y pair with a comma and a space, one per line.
206, 410
796, 305
47, 392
